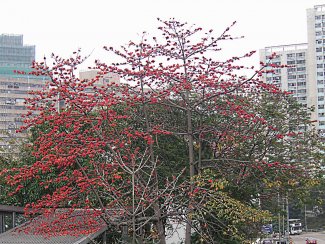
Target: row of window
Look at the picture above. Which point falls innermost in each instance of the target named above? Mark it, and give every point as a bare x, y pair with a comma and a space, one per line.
291, 62
17, 53
6, 115
300, 91
320, 41
296, 69
22, 59
318, 17
301, 98
273, 79
293, 77
15, 64
6, 100
13, 91
318, 25
320, 57
319, 33
10, 125
297, 84
320, 82
18, 84
295, 55
13, 107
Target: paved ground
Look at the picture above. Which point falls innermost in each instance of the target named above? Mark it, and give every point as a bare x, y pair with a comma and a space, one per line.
301, 239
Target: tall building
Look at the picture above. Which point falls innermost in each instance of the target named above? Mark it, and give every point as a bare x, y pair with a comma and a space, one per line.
305, 76
292, 79
316, 60
13, 52
14, 87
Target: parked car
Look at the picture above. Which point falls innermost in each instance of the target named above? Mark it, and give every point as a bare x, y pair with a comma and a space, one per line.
267, 241
311, 240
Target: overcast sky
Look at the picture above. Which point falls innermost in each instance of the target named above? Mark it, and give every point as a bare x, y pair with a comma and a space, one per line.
62, 26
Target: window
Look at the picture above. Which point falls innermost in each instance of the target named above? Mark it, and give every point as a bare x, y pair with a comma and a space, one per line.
290, 55
301, 76
20, 100
301, 83
300, 55
277, 78
320, 98
291, 70
321, 122
291, 77
321, 115
291, 84
321, 106
320, 89
320, 82
319, 41
318, 33
320, 65
319, 49
301, 61
318, 17
302, 91
301, 68
320, 74
291, 62
317, 25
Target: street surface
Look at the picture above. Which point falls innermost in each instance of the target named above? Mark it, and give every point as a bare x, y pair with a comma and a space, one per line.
301, 239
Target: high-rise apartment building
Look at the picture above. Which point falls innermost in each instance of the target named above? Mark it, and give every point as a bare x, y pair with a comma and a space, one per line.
14, 87
304, 77
316, 60
292, 79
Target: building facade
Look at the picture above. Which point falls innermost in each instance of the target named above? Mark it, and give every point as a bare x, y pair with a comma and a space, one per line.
293, 78
304, 77
316, 60
14, 87
13, 52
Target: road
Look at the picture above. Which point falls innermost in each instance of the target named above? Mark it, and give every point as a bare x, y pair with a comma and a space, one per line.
301, 239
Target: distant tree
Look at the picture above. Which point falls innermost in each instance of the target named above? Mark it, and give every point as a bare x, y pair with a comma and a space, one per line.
189, 138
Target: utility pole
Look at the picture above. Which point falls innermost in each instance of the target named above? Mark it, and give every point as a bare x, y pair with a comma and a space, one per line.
279, 217
306, 228
288, 216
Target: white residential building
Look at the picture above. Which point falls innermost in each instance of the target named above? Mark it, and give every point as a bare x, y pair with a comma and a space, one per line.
304, 77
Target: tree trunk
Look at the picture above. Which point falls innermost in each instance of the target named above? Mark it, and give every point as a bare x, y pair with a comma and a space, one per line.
191, 163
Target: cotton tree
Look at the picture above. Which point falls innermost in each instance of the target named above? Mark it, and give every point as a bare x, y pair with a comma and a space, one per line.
111, 148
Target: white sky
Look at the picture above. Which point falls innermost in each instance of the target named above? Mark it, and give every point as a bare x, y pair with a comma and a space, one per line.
62, 26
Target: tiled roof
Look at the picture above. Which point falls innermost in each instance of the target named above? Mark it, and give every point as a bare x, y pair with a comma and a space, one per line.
13, 237
18, 235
